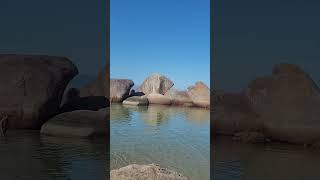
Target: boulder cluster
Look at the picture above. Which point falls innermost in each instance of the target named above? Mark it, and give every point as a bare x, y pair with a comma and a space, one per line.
32, 88
158, 89
280, 107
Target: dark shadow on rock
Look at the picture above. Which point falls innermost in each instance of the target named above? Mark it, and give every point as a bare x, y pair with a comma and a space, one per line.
74, 102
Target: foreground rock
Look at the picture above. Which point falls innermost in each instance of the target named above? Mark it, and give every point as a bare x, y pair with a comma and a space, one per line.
98, 87
200, 94
120, 89
81, 123
180, 98
145, 172
136, 100
31, 88
156, 83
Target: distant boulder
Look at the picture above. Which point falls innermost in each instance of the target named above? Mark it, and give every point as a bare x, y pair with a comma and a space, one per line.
179, 97
32, 86
156, 83
120, 89
199, 94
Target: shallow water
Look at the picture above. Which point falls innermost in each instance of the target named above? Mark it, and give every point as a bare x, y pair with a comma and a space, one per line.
239, 161
28, 155
174, 137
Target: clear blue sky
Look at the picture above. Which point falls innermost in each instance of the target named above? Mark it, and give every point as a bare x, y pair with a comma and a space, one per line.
171, 37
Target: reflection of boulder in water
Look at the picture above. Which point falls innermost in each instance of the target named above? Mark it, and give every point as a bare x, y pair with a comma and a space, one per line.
197, 115
155, 115
119, 112
277, 161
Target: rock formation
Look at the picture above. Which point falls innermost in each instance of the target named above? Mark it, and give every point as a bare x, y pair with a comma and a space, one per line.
199, 94
120, 89
156, 83
31, 88
81, 123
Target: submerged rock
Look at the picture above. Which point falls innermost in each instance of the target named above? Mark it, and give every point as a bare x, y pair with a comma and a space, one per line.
31, 88
145, 172
120, 89
156, 83
81, 123
200, 94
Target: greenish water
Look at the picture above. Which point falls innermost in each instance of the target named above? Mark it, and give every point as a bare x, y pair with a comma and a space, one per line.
26, 155
177, 138
239, 161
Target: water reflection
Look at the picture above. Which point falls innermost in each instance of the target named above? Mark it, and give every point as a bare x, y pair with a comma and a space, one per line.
28, 155
238, 161
166, 135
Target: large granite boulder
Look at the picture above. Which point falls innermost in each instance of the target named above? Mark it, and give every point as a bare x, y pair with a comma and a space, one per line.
98, 87
200, 94
288, 104
156, 83
155, 98
120, 89
145, 172
179, 97
136, 100
80, 123
31, 88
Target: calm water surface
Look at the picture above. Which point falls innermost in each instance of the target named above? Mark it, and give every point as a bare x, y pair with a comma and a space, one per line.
238, 161
28, 155
174, 137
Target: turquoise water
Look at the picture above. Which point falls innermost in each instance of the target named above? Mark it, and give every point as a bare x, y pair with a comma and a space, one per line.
177, 138
26, 155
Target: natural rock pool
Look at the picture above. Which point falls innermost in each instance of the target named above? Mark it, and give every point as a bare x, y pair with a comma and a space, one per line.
177, 138
25, 154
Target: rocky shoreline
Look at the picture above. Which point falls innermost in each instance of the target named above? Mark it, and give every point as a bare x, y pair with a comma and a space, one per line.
158, 89
281, 107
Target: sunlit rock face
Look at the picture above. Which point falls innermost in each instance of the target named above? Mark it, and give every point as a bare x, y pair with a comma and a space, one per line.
32, 86
199, 94
151, 171
156, 83
120, 89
